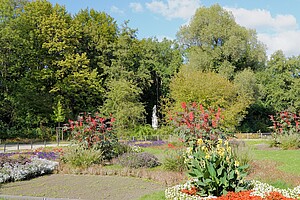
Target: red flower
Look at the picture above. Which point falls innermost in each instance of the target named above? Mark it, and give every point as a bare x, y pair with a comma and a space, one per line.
192, 191
201, 108
183, 105
191, 116
194, 104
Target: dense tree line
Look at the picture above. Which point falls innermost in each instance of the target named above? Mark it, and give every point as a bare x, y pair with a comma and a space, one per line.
55, 65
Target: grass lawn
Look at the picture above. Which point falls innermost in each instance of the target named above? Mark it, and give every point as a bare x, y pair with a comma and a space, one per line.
155, 196
288, 160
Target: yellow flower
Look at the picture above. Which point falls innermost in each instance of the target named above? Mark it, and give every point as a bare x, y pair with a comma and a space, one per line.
236, 163
189, 150
227, 159
221, 151
200, 142
207, 156
220, 141
204, 148
228, 149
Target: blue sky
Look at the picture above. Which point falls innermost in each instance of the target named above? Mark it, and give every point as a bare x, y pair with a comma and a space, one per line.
276, 21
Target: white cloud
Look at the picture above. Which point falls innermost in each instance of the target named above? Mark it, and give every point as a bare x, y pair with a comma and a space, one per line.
136, 7
172, 9
277, 32
115, 9
262, 19
287, 41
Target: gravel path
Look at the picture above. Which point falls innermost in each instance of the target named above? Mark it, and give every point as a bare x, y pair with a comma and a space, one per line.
89, 187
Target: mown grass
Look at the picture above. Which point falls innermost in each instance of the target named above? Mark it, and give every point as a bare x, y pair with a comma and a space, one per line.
288, 160
154, 196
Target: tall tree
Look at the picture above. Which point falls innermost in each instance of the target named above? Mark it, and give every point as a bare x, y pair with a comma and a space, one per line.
215, 42
279, 83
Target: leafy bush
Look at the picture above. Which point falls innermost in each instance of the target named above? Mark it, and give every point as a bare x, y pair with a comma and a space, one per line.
141, 131
215, 169
174, 160
291, 141
96, 133
137, 160
195, 122
122, 148
81, 157
286, 122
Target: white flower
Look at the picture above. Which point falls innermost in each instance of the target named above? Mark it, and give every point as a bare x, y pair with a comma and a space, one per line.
19, 172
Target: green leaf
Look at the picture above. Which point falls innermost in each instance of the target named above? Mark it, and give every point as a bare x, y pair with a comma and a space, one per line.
211, 170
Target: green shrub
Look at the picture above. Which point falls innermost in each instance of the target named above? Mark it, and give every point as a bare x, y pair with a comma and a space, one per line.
174, 160
196, 122
291, 141
243, 154
81, 157
141, 131
121, 148
94, 132
137, 160
165, 130
214, 168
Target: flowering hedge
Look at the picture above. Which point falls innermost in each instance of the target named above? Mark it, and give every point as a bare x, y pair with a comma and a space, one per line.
259, 191
196, 122
17, 171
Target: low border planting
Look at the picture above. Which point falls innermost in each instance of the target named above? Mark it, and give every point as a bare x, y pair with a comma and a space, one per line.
17, 172
259, 189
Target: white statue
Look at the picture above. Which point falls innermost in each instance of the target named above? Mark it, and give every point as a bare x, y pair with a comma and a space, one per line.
154, 118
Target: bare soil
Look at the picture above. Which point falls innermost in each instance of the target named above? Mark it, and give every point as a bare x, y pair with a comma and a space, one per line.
89, 187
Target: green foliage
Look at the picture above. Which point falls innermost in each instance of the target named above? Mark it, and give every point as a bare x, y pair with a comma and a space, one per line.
81, 157
286, 130
174, 160
279, 83
215, 169
210, 90
94, 132
195, 122
243, 154
122, 101
291, 141
137, 160
285, 123
141, 131
121, 148
215, 42
59, 115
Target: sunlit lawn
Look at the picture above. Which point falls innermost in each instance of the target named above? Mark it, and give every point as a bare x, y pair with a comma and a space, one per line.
289, 160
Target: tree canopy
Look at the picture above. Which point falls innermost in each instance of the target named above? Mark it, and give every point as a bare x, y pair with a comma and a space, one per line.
54, 65
215, 42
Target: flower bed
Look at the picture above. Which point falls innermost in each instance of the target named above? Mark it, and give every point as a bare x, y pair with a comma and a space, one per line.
142, 143
18, 166
259, 191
